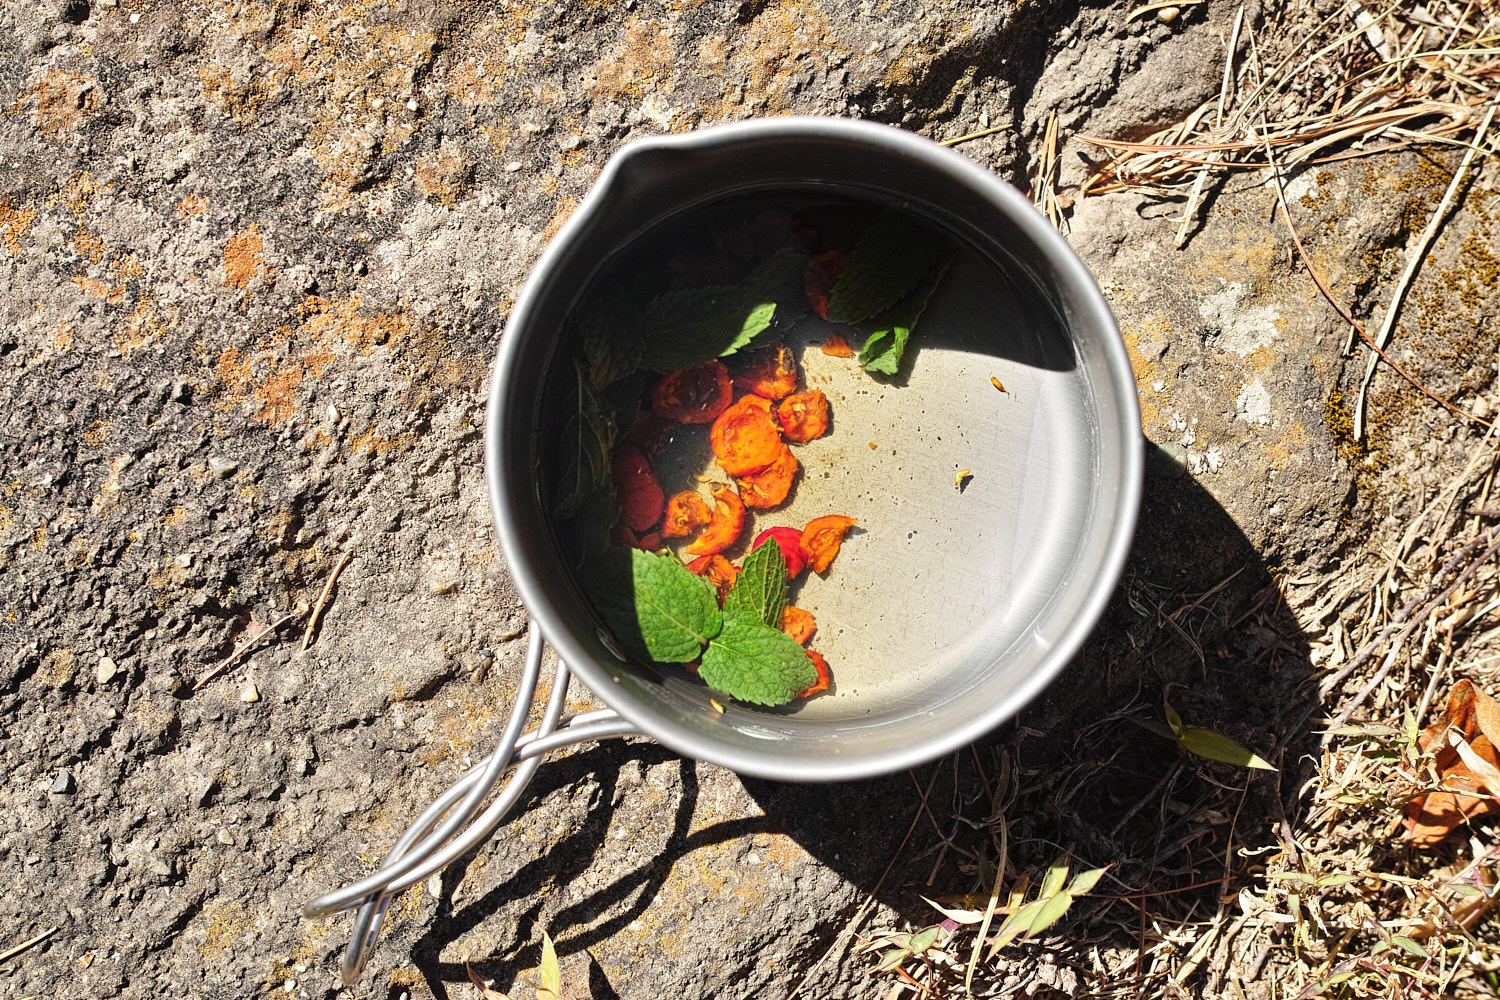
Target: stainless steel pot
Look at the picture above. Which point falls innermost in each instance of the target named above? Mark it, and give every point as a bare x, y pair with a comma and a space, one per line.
951, 608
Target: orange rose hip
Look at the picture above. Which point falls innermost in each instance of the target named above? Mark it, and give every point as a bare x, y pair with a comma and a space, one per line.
693, 395
798, 624
821, 684
803, 415
716, 570
686, 513
724, 530
772, 373
640, 495
822, 537
745, 438
770, 485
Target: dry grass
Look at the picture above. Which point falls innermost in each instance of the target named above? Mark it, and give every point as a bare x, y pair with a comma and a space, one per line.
1222, 883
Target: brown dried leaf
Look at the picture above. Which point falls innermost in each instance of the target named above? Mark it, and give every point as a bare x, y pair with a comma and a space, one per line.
1465, 765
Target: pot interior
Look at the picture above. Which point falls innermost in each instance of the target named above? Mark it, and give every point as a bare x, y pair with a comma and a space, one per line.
953, 595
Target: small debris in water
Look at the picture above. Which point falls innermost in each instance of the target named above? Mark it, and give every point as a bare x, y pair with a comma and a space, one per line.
961, 479
996, 383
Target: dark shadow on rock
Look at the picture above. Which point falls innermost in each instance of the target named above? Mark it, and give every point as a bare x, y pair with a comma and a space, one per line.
1197, 620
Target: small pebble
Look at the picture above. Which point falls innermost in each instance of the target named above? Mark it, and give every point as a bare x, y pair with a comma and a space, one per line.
135, 18
512, 166
411, 105
249, 693
160, 867
111, 714
221, 466
105, 671
571, 143
224, 837
1168, 14
63, 784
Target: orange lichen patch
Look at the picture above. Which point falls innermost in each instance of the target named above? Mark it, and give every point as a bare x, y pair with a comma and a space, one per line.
327, 319
824, 678
837, 347
277, 395
717, 570
1289, 447
744, 438
770, 485
113, 294
822, 537
242, 100
640, 61
686, 513
803, 415
242, 257
373, 442
566, 206
442, 176
784, 41
191, 205
725, 528
1143, 342
798, 624
713, 55
88, 245
142, 327
693, 395
63, 101
639, 494
772, 373
62, 337
13, 224
98, 433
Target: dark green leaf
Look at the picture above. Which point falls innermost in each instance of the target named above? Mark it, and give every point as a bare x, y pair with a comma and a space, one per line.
760, 589
1050, 912
689, 326
1055, 878
889, 260
610, 350
886, 346
1085, 881
754, 662
1216, 746
587, 437
675, 609
891, 959
1409, 946
587, 531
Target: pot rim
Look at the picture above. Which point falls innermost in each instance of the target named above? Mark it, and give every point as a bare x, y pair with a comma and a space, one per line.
1090, 311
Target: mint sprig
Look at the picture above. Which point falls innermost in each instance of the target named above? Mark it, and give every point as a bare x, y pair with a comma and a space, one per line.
674, 609
891, 257
587, 437
885, 347
751, 661
760, 589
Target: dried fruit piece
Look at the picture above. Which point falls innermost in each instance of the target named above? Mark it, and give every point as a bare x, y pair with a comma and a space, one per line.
790, 540
693, 395
745, 438
821, 684
649, 542
837, 347
772, 373
724, 530
819, 277
770, 485
686, 513
1475, 718
716, 570
803, 415
798, 624
822, 537
622, 536
650, 433
641, 498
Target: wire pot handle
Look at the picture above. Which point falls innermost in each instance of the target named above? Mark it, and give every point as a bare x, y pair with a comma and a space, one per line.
454, 824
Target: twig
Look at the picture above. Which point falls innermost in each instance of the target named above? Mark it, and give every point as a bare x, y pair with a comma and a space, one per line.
240, 651
1338, 307
1388, 324
312, 619
24, 945
975, 135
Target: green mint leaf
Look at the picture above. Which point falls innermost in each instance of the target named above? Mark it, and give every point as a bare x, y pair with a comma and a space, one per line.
891, 257
587, 437
688, 326
760, 589
754, 662
610, 353
883, 351
586, 533
886, 346
675, 610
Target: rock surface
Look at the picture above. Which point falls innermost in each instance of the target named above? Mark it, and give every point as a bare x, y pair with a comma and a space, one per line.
255, 263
